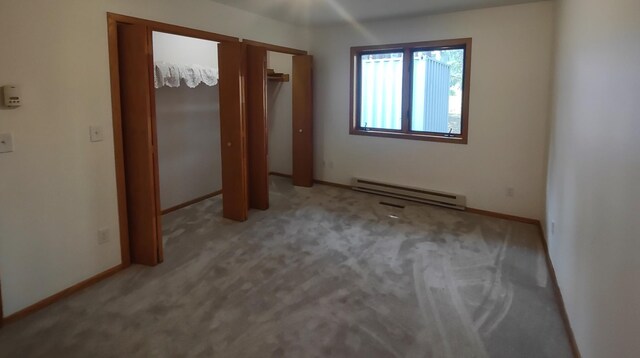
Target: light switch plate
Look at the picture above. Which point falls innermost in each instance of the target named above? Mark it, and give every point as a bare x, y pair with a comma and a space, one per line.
6, 143
96, 134
103, 236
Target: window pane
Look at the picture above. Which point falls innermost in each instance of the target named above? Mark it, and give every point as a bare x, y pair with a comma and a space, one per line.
381, 91
437, 91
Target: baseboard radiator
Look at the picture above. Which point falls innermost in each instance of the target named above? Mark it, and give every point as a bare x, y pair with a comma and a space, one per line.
426, 196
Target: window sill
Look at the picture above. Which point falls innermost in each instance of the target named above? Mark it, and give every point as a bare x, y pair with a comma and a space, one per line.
410, 136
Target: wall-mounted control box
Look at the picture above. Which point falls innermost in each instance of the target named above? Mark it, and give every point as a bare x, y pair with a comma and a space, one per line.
11, 96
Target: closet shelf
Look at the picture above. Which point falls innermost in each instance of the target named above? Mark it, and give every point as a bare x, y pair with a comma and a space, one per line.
274, 76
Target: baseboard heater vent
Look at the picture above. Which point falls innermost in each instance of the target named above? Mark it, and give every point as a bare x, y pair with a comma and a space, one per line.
426, 196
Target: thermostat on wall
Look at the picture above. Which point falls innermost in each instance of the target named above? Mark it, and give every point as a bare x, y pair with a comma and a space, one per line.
11, 96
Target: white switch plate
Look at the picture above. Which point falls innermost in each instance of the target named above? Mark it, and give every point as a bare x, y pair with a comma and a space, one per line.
6, 142
103, 236
96, 134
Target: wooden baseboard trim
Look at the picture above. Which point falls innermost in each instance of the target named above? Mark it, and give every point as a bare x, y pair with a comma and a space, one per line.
110, 272
191, 202
322, 182
470, 210
558, 294
280, 174
550, 268
62, 294
552, 272
503, 216
1, 310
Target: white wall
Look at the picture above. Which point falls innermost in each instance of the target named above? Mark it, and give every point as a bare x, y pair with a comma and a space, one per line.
593, 190
508, 116
279, 115
188, 124
184, 50
57, 188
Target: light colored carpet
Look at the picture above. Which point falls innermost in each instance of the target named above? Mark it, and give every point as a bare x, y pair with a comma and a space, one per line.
325, 272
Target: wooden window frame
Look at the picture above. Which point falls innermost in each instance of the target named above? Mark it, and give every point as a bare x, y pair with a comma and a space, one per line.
408, 48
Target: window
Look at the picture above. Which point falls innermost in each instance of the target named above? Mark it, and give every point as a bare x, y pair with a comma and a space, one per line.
411, 91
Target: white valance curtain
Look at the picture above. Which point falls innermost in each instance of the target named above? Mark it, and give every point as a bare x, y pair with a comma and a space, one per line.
171, 75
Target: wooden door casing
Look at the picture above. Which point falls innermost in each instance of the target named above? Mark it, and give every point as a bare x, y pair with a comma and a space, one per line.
257, 127
140, 152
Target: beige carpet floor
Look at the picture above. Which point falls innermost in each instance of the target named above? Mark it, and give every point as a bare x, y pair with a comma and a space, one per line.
325, 272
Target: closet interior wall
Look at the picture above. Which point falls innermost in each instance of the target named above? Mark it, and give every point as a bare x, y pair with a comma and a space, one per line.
279, 115
188, 124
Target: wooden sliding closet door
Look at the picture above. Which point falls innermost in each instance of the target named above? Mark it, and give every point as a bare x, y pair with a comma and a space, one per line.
140, 153
232, 69
257, 127
302, 120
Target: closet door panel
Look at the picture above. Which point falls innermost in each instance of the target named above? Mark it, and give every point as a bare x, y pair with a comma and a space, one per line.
257, 127
143, 209
233, 129
302, 88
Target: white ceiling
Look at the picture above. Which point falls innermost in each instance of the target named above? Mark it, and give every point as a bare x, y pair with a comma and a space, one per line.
317, 12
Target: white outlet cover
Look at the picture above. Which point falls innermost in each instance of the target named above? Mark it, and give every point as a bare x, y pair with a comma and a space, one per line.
103, 236
96, 134
511, 192
6, 142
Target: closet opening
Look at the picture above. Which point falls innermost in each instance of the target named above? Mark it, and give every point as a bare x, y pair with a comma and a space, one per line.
279, 114
187, 111
280, 118
168, 126
178, 141
187, 120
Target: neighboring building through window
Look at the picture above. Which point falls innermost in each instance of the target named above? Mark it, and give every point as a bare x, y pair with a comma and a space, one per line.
413, 91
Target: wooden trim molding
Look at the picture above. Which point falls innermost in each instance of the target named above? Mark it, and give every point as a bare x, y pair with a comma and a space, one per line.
275, 48
1, 310
335, 185
62, 294
558, 294
552, 272
280, 175
470, 210
101, 276
257, 136
503, 216
322, 182
118, 141
171, 29
191, 202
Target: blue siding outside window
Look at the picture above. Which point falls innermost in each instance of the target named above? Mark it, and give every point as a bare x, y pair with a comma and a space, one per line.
430, 102
415, 90
381, 92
